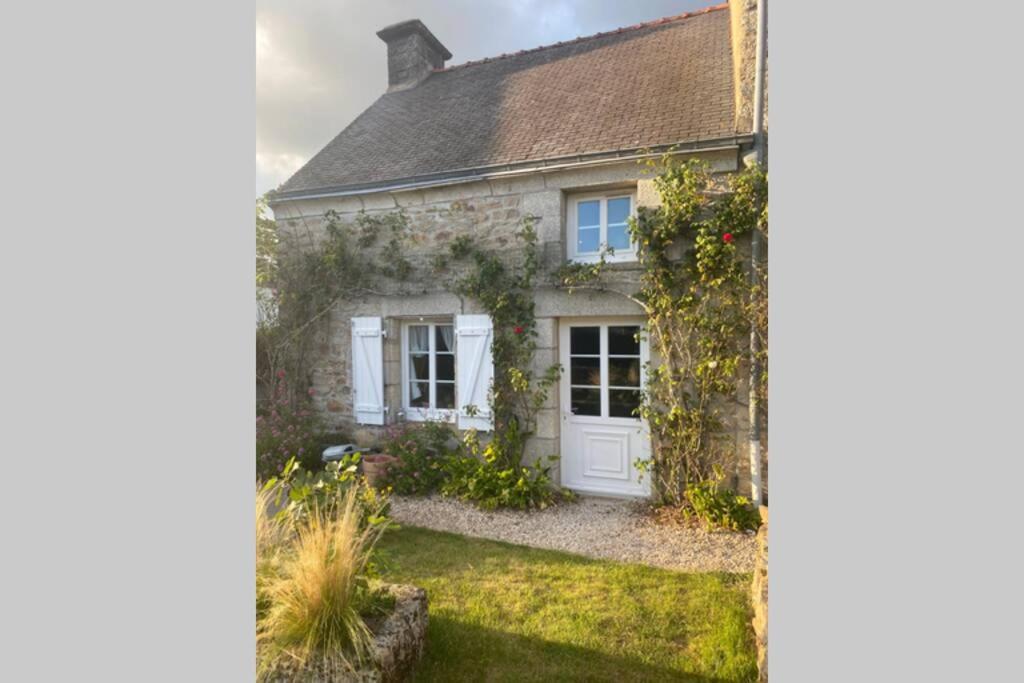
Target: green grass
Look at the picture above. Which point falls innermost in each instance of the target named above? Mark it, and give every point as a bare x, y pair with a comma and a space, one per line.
501, 612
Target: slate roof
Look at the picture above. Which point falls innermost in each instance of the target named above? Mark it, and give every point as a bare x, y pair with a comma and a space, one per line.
658, 83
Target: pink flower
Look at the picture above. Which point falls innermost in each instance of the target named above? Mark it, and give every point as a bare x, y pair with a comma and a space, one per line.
518, 329
312, 391
280, 374
727, 237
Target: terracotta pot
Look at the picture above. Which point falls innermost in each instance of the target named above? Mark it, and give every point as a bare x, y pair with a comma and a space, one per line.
375, 467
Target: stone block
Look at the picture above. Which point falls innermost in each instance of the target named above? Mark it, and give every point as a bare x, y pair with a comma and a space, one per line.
547, 333
547, 424
519, 184
546, 207
379, 201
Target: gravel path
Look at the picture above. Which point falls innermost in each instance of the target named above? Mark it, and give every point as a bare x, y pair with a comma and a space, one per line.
596, 527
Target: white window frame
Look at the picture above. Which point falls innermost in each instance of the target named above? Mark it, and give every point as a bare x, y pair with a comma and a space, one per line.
417, 414
604, 353
572, 228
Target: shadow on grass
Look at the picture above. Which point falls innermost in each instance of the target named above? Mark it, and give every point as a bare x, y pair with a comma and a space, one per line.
460, 651
500, 612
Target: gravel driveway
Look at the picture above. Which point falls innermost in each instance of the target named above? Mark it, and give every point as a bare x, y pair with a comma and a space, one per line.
596, 527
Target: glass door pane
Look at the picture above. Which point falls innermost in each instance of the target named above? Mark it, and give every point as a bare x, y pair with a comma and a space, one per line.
585, 370
623, 359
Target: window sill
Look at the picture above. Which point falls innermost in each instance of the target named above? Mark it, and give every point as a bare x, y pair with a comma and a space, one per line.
624, 257
426, 415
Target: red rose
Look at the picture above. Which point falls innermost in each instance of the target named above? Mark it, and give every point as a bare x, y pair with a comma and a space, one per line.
518, 329
727, 238
280, 374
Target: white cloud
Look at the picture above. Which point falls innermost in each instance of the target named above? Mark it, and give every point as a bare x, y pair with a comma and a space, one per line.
280, 165
277, 68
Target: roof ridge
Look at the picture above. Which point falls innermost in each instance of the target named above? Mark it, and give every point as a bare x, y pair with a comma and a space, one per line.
580, 39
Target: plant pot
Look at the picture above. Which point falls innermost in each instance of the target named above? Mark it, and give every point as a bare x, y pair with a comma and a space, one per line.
375, 467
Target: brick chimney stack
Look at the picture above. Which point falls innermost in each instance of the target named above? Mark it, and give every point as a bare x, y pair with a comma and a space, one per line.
413, 53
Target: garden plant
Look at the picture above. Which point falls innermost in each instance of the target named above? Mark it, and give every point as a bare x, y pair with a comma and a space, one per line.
315, 539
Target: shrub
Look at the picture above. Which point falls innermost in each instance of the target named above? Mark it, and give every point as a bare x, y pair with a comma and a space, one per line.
490, 486
480, 479
316, 597
298, 492
285, 431
421, 450
717, 507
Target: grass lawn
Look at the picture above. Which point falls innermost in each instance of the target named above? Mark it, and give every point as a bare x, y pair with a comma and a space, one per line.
501, 612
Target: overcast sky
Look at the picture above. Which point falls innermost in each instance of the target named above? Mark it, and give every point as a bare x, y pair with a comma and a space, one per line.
319, 63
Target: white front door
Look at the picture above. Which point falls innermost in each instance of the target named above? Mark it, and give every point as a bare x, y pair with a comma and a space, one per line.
603, 361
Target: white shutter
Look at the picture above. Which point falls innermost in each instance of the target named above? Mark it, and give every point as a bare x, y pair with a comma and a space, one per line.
367, 371
475, 370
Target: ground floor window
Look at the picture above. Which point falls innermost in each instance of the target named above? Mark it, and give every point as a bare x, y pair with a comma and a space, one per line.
428, 369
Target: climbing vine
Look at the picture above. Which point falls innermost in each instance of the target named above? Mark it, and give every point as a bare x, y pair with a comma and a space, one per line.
310, 274
700, 306
313, 275
505, 291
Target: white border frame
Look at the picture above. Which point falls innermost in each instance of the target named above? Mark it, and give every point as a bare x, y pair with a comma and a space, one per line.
571, 230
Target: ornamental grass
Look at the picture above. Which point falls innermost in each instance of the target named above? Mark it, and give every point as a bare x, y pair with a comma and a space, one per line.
311, 590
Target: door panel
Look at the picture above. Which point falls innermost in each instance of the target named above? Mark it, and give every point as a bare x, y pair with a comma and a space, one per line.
602, 438
606, 453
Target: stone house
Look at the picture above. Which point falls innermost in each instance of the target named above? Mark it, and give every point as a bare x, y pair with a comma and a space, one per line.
555, 133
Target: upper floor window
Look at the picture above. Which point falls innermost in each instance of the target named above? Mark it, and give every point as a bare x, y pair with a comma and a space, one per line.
429, 370
599, 222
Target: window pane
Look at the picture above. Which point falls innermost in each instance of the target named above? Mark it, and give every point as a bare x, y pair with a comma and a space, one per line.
419, 366
584, 340
444, 338
618, 236
585, 371
622, 341
588, 240
444, 364
624, 372
618, 210
622, 402
419, 338
586, 402
588, 213
419, 394
445, 395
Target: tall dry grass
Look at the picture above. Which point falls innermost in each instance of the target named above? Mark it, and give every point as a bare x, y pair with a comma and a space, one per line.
311, 591
273, 535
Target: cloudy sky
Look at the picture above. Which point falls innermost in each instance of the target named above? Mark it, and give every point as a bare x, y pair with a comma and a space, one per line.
319, 63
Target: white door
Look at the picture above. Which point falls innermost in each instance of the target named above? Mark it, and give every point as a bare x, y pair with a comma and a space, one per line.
603, 361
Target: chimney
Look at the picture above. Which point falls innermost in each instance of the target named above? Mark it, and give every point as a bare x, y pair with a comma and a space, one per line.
413, 52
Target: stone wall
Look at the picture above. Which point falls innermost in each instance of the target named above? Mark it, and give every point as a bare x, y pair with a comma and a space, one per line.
398, 644
743, 29
490, 213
